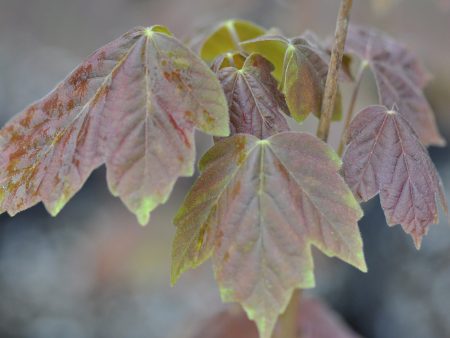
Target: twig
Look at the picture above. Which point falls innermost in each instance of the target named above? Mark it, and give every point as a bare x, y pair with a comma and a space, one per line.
337, 53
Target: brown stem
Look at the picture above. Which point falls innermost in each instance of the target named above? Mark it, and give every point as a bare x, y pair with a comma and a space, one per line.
351, 108
337, 54
288, 322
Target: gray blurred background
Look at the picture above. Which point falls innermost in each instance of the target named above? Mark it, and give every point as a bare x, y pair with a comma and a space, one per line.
94, 272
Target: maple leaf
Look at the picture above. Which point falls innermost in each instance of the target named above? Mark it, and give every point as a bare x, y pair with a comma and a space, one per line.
133, 104
257, 208
301, 67
256, 105
400, 79
385, 156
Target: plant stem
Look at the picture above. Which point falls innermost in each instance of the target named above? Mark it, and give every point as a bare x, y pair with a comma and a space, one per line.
329, 96
288, 321
351, 108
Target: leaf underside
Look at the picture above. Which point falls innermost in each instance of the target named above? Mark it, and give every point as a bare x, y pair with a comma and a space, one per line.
301, 67
133, 105
385, 157
400, 79
256, 106
257, 208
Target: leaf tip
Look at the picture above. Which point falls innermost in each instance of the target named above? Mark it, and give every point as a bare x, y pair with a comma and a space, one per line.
143, 213
176, 268
417, 240
265, 325
146, 206
440, 142
9, 212
55, 208
174, 275
361, 262
143, 219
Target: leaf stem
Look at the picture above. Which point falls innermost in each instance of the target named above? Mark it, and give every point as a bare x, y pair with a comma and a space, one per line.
337, 54
288, 322
351, 107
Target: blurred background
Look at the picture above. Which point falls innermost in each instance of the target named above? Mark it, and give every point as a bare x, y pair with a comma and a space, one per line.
94, 272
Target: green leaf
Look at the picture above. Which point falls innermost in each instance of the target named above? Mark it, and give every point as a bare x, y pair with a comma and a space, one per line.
133, 105
257, 208
227, 36
301, 67
256, 106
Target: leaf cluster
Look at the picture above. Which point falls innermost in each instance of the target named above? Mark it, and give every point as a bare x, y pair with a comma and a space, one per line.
265, 194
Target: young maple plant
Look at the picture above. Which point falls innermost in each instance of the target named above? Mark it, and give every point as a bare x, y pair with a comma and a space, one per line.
265, 194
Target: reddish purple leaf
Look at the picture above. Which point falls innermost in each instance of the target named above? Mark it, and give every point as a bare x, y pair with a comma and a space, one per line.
384, 156
256, 105
257, 208
400, 79
133, 105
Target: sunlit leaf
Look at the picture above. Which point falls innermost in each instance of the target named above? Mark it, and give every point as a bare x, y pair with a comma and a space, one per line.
257, 208
256, 105
385, 157
400, 79
301, 67
227, 36
133, 104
